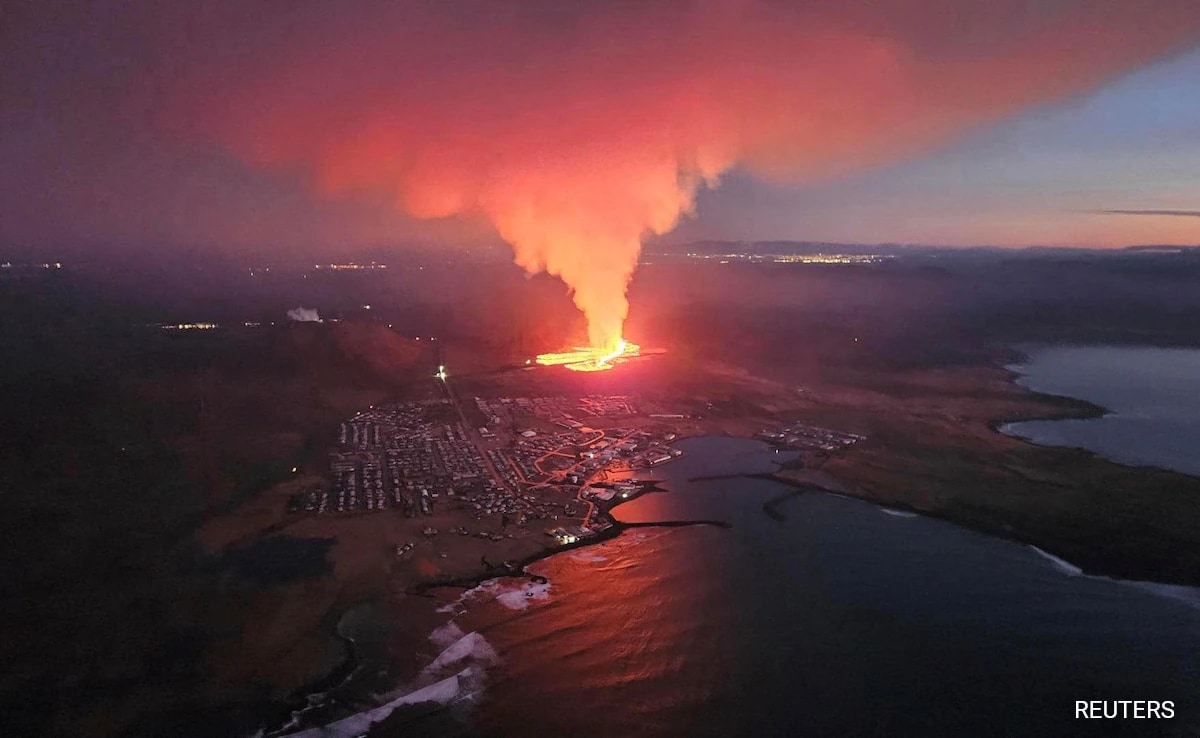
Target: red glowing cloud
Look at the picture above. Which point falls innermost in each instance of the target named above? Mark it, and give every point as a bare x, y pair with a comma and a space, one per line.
578, 132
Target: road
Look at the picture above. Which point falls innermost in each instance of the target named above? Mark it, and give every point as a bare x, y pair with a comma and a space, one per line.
472, 434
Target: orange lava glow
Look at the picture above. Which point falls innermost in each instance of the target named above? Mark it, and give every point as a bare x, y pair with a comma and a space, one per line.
587, 359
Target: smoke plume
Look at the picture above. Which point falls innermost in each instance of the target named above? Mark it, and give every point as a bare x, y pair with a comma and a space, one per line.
304, 315
576, 132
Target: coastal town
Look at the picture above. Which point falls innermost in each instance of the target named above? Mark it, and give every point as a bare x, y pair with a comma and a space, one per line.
510, 467
529, 459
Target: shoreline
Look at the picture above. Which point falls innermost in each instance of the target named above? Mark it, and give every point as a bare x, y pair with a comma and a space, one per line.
1074, 408
1089, 411
1070, 408
1187, 594
1042, 547
604, 508
304, 696
312, 697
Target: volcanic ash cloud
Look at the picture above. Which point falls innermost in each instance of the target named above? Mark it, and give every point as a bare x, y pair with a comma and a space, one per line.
576, 132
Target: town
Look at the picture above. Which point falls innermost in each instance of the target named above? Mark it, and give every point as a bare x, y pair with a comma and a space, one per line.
507, 466
804, 437
540, 458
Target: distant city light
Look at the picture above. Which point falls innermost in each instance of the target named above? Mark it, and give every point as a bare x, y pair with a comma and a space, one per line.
10, 265
351, 266
189, 327
794, 258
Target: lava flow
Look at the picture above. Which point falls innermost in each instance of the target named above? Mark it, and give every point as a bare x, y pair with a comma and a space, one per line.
588, 359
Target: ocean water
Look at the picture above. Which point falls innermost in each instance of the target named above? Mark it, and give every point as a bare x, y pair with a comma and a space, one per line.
1152, 396
838, 620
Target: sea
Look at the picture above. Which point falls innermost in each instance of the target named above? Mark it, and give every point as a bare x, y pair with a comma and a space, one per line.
830, 617
1151, 397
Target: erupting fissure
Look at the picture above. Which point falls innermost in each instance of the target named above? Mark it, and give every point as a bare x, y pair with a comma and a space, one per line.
588, 359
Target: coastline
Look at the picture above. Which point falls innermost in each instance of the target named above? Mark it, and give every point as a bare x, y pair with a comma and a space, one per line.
1064, 408
1183, 593
1115, 414
1074, 408
445, 690
312, 697
905, 509
613, 529
1188, 594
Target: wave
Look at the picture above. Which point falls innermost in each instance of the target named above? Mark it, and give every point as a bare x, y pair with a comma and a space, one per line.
1178, 592
513, 596
898, 513
522, 597
442, 692
446, 634
1062, 565
470, 596
457, 674
472, 647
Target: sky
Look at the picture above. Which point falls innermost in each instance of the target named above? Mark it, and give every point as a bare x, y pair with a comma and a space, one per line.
1052, 175
269, 127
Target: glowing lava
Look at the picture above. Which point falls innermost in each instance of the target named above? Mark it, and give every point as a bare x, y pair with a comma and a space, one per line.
588, 359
